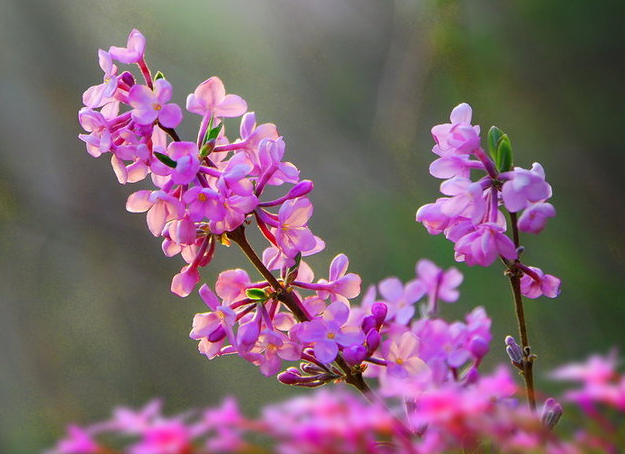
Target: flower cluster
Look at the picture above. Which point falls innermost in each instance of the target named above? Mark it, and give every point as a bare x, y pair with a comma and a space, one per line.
208, 191
470, 215
481, 418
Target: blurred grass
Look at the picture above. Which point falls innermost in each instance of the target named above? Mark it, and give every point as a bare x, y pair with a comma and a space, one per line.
354, 86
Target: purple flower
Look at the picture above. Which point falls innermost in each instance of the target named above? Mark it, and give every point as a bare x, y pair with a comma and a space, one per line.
148, 105
400, 299
328, 334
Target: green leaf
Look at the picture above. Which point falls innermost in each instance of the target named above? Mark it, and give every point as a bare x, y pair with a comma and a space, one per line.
165, 160
504, 156
492, 139
214, 132
256, 294
158, 75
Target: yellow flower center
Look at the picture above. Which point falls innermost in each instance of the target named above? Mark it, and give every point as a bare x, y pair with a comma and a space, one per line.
202, 197
399, 361
156, 106
331, 335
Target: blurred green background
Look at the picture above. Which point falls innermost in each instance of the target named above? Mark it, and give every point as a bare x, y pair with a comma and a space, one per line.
86, 317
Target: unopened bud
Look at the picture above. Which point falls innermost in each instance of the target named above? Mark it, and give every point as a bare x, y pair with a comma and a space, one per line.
368, 323
300, 189
479, 347
551, 413
217, 335
373, 341
514, 351
354, 354
379, 311
291, 376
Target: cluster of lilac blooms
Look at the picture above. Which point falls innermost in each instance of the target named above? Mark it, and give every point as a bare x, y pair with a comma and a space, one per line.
430, 395
470, 215
482, 418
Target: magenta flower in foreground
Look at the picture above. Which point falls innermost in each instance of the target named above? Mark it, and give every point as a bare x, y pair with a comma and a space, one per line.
149, 106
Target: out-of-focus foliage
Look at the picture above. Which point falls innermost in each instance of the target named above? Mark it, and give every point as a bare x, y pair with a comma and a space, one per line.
86, 317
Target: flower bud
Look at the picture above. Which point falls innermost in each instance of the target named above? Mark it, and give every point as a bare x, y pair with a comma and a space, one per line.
354, 354
217, 335
368, 323
373, 341
379, 311
300, 189
479, 347
551, 413
291, 376
514, 351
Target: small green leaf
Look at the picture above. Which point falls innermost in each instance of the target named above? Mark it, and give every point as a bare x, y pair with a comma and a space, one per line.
165, 160
504, 154
214, 132
256, 294
494, 134
159, 75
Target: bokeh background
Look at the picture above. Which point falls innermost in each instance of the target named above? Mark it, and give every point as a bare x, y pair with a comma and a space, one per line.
86, 317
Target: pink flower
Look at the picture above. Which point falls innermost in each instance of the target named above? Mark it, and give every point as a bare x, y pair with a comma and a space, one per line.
98, 95
99, 141
210, 99
186, 155
402, 356
134, 50
539, 283
522, 187
484, 245
164, 437
440, 284
78, 441
161, 207
458, 136
149, 106
292, 234
534, 218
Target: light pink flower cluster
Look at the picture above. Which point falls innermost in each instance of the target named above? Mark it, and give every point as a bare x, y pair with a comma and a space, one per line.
470, 215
